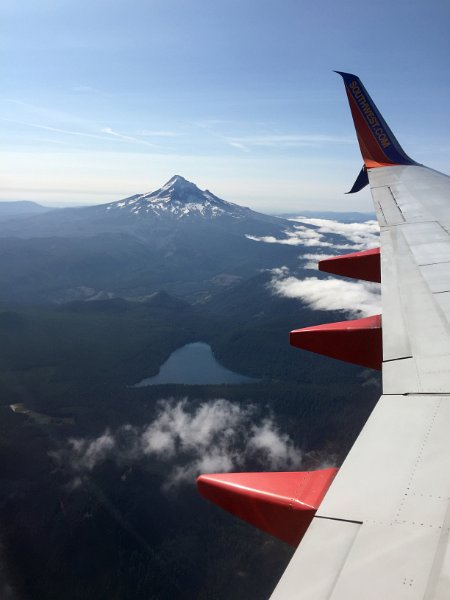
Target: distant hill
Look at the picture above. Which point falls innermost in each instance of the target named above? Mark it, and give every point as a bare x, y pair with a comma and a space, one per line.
21, 208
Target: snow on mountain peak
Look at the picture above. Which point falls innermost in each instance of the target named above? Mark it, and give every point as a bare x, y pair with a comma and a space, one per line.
177, 180
179, 198
177, 186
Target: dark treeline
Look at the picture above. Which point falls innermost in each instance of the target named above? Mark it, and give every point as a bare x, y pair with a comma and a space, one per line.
117, 534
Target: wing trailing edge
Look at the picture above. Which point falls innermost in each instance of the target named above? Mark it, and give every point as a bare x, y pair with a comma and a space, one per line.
281, 504
358, 265
358, 342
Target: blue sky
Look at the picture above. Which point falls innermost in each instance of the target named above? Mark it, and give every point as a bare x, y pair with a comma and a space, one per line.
105, 98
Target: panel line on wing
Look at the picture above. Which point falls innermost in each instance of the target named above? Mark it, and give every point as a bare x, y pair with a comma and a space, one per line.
381, 215
384, 197
395, 200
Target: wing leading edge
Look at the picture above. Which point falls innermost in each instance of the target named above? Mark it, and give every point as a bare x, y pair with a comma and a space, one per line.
382, 530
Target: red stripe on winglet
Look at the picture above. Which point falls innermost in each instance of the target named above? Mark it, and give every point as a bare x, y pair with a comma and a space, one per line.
359, 265
282, 504
358, 342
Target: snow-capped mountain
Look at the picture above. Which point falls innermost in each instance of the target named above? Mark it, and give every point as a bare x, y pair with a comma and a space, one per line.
181, 199
177, 204
178, 238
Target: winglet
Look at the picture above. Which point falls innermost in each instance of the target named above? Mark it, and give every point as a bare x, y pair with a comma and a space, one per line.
379, 146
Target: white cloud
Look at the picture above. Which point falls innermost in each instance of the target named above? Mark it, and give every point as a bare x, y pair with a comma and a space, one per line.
87, 453
313, 259
356, 236
218, 435
276, 448
270, 239
127, 138
356, 298
158, 442
318, 256
298, 236
216, 461
239, 146
363, 235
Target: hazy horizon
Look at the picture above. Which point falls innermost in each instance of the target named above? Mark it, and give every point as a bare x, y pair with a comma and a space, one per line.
240, 98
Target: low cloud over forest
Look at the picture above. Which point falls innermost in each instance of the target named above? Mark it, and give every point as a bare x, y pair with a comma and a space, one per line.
217, 435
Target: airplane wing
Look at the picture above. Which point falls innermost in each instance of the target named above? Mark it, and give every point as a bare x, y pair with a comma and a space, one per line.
382, 530
378, 529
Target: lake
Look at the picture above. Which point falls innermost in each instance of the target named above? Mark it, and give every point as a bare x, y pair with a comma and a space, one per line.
194, 364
